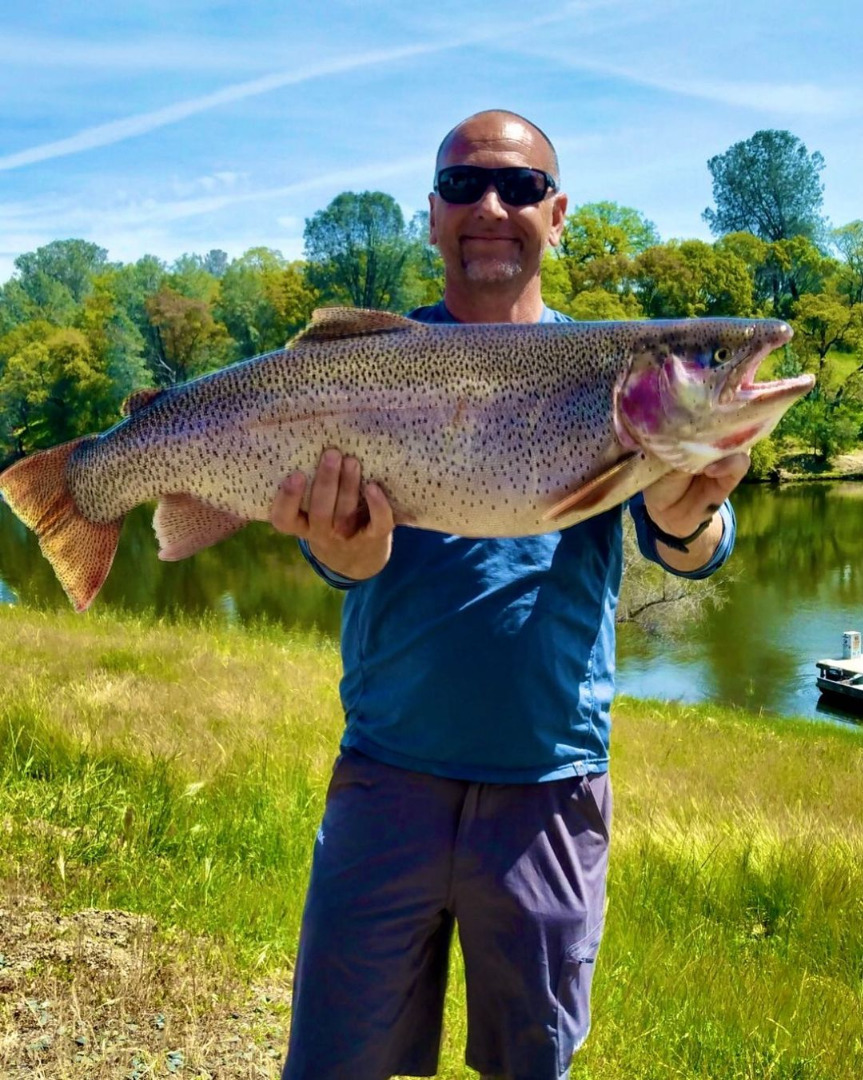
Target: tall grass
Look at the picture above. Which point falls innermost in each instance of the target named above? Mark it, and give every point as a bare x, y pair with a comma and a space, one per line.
179, 770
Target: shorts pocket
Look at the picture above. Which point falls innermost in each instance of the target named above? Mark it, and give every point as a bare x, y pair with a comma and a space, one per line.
573, 996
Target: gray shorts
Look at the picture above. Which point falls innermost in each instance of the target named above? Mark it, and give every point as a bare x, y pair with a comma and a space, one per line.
402, 856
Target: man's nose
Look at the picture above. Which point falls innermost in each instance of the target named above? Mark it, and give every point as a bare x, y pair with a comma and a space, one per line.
490, 203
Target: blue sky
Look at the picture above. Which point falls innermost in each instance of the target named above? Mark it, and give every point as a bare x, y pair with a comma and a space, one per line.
162, 128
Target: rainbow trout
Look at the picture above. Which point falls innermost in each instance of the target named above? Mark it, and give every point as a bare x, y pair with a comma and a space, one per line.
477, 430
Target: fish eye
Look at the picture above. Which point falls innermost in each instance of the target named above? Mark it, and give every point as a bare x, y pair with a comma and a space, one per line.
721, 355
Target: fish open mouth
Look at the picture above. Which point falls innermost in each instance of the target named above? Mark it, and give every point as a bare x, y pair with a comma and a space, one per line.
748, 389
743, 385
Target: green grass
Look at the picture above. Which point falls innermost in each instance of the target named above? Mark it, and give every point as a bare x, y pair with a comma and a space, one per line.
178, 770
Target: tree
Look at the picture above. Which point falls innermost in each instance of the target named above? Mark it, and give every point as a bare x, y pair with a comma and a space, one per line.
53, 388
72, 263
781, 271
590, 274
357, 249
827, 426
191, 341
595, 230
189, 276
215, 262
131, 285
115, 340
687, 278
264, 300
849, 241
824, 322
768, 185
423, 277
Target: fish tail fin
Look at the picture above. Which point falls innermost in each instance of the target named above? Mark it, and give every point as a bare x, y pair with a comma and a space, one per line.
79, 550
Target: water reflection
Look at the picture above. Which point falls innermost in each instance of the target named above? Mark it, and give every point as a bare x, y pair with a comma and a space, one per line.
254, 575
795, 585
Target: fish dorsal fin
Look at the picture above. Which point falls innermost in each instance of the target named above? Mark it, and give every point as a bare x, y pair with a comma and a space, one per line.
594, 491
139, 398
339, 322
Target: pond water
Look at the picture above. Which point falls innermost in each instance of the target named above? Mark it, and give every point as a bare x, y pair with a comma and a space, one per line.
795, 584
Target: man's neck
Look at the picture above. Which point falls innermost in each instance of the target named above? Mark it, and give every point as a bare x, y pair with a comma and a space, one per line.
494, 306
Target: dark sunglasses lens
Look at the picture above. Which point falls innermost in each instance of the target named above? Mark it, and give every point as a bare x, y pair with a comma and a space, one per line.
522, 187
461, 185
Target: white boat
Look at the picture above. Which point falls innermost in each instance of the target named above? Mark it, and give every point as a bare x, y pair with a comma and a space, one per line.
843, 678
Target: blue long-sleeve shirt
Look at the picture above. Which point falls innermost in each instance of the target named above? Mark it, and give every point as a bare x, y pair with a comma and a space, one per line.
492, 659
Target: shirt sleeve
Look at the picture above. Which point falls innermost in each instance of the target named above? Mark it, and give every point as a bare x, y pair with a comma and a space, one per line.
647, 541
338, 581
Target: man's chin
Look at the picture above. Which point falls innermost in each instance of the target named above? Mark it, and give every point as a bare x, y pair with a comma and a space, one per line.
491, 271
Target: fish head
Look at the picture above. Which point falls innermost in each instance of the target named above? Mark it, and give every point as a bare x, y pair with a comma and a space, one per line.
689, 395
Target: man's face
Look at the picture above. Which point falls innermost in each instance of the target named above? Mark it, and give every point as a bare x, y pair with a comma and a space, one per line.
490, 243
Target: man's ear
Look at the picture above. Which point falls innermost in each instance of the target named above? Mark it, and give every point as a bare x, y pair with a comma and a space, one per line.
432, 226
558, 219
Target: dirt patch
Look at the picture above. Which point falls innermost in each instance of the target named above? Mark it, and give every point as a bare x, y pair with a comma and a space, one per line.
105, 994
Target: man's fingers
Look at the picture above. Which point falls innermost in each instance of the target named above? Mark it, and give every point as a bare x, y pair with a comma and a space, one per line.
286, 515
380, 512
734, 467
325, 490
347, 498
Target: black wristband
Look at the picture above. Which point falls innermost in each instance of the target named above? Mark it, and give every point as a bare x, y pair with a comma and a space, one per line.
676, 543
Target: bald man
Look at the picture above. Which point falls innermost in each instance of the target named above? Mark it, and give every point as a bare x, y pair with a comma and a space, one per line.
471, 788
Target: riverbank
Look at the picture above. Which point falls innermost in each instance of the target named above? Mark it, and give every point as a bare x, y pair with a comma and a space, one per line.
160, 787
792, 467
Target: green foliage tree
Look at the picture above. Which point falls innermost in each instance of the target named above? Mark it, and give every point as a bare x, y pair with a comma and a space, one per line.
116, 339
215, 262
769, 185
823, 323
189, 277
848, 239
190, 340
590, 274
357, 250
53, 388
50, 283
130, 286
423, 276
600, 229
764, 458
826, 426
687, 278
263, 300
72, 263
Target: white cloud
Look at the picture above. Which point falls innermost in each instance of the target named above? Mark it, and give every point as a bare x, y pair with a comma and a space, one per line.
130, 126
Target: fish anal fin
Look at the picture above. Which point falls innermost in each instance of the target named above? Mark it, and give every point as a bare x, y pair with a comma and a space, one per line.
185, 524
139, 398
331, 323
79, 550
595, 491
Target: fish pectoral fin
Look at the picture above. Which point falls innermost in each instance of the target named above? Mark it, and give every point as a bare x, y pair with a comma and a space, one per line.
185, 524
596, 490
79, 550
338, 322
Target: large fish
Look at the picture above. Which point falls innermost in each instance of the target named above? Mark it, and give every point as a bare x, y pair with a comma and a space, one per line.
478, 430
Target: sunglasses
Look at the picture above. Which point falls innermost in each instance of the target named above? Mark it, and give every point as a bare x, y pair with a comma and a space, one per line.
464, 184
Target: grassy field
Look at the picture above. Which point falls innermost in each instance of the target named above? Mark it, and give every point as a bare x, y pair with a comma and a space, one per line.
160, 788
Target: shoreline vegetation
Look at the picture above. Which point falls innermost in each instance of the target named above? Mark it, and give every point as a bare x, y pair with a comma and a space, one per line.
797, 468
160, 789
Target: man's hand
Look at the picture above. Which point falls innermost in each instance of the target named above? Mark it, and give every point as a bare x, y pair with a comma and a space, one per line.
339, 534
679, 502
